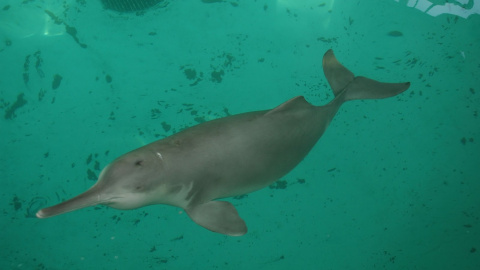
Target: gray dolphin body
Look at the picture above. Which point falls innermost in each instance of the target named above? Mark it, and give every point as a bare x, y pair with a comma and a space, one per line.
225, 157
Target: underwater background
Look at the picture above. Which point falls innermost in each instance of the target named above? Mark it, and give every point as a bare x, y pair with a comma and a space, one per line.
392, 184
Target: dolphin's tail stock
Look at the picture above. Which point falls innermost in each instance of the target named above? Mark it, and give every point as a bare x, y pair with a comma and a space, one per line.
343, 81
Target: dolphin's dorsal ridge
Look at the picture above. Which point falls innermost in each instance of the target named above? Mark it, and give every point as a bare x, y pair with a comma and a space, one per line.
218, 216
291, 104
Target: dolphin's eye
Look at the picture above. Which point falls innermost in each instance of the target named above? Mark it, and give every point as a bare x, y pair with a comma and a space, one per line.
139, 162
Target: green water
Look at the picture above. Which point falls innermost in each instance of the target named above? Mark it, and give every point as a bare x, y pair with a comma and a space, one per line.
392, 184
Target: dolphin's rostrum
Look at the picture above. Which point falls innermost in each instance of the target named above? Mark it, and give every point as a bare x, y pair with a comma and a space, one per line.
225, 157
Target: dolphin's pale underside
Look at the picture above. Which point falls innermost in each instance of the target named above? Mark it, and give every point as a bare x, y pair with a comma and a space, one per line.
225, 157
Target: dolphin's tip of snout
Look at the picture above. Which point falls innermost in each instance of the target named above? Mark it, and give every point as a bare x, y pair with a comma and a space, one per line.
40, 214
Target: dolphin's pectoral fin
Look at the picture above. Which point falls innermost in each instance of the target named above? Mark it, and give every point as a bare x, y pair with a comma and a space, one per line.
218, 216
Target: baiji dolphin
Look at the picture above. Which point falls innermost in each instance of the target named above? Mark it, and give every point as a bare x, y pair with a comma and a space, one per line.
225, 157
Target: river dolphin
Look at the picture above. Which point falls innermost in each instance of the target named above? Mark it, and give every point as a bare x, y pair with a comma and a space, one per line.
225, 157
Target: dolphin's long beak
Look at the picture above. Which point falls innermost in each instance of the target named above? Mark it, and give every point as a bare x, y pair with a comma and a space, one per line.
88, 198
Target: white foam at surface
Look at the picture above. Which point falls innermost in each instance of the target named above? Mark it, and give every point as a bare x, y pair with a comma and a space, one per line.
456, 9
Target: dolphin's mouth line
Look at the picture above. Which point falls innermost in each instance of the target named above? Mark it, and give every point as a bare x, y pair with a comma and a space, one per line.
107, 201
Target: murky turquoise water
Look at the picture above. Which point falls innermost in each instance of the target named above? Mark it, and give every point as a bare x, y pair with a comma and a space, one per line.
393, 184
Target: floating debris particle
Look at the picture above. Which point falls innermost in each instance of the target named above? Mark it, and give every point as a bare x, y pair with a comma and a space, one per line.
280, 184
395, 33
217, 76
166, 126
20, 102
17, 205
465, 140
200, 119
57, 79
155, 113
177, 238
41, 94
327, 40
26, 67
91, 175
72, 31
190, 73
38, 63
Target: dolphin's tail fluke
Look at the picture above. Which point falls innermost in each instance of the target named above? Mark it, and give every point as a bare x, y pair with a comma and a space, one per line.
342, 80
